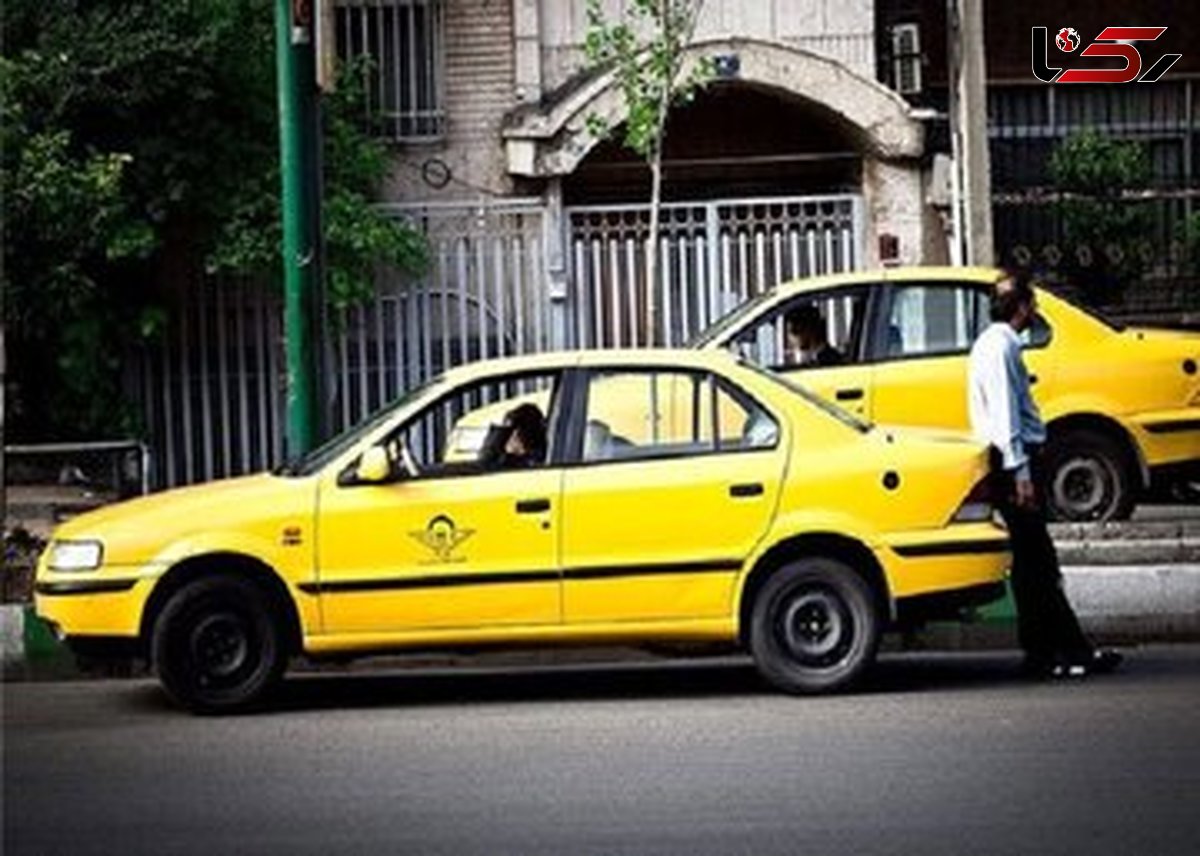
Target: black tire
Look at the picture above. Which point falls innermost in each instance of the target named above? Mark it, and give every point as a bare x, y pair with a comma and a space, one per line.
1088, 477
814, 626
218, 646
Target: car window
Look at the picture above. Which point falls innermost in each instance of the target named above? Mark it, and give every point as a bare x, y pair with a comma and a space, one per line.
925, 320
668, 413
1037, 334
497, 424
810, 331
308, 464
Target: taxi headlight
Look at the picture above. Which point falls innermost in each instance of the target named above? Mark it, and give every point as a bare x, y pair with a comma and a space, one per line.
75, 555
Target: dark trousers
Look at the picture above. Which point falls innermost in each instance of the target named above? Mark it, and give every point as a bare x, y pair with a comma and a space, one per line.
1047, 628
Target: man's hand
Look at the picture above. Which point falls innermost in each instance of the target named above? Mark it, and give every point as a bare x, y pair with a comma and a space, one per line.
1025, 497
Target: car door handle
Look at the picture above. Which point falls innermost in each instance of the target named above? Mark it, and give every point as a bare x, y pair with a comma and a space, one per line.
849, 394
751, 489
532, 506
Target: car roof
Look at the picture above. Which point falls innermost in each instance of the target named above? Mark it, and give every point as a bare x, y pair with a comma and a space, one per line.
920, 273
664, 357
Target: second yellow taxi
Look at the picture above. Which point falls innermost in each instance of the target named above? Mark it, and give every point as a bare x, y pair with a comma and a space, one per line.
1121, 404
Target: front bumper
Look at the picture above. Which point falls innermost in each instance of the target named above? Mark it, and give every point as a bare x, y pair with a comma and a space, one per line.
107, 602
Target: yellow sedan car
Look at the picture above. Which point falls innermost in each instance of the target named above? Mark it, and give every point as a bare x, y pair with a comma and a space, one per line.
793, 530
1122, 405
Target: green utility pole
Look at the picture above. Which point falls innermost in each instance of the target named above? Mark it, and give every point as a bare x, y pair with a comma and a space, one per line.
298, 134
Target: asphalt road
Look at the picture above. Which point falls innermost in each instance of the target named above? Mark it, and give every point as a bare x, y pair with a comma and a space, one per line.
938, 754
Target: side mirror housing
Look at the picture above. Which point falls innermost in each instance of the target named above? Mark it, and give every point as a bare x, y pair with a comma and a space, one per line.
373, 467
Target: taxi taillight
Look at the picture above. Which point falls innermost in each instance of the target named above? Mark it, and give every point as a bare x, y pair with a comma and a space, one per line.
979, 504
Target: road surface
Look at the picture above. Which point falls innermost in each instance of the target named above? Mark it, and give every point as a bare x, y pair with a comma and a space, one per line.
940, 753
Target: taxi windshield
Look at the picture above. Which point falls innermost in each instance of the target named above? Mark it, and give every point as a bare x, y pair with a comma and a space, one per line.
733, 319
305, 465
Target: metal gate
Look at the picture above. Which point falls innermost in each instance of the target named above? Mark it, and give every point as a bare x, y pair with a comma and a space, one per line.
712, 256
212, 392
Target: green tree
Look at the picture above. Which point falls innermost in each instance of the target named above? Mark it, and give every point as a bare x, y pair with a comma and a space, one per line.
140, 157
646, 51
1106, 229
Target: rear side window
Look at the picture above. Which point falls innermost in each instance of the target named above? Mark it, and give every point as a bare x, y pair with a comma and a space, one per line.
643, 414
1038, 334
931, 320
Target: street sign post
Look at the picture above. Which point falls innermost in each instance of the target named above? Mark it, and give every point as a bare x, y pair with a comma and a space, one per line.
301, 201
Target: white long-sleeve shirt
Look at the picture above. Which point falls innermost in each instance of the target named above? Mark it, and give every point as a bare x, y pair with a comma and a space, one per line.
1003, 413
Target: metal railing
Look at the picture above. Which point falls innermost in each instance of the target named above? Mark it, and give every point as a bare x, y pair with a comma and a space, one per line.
212, 393
713, 256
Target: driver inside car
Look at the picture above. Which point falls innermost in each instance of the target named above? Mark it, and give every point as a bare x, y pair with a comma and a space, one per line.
517, 443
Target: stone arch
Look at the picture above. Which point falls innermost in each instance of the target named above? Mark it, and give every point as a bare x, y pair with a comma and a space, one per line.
551, 138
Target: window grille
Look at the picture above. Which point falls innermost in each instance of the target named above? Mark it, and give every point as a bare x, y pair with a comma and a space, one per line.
403, 40
906, 58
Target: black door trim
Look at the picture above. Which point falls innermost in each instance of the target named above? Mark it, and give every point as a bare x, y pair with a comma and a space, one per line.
426, 581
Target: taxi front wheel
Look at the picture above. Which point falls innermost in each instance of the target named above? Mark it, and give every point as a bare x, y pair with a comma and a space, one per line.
814, 626
217, 646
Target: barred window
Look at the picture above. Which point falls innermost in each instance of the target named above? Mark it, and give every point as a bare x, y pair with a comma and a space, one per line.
906, 58
403, 39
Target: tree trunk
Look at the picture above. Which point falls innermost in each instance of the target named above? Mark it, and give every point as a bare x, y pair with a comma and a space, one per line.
652, 261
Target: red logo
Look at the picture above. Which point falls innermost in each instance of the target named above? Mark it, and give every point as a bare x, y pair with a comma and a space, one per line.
1113, 42
1067, 39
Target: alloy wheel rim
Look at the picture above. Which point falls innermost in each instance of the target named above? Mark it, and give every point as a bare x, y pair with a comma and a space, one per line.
815, 627
1081, 487
220, 646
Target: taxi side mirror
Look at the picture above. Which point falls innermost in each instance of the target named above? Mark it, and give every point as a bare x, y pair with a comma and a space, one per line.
374, 467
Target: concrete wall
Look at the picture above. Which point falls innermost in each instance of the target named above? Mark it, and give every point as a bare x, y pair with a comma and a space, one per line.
840, 29
893, 196
480, 83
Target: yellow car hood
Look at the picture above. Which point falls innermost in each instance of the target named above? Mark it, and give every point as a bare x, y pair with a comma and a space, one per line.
133, 531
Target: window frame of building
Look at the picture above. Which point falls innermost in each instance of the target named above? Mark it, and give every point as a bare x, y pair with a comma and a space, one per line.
405, 99
906, 59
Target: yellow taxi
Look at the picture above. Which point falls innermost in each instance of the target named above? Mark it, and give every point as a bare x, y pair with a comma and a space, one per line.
794, 530
1121, 404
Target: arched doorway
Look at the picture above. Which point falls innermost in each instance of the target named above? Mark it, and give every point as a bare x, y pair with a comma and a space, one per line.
735, 140
791, 165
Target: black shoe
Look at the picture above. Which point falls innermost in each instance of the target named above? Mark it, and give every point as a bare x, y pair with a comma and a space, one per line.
1102, 662
1105, 661
1070, 670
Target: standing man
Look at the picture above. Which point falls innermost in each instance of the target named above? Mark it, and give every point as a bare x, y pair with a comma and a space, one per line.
1004, 416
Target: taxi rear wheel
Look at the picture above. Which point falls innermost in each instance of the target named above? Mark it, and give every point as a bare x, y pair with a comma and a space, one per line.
1088, 477
815, 626
217, 646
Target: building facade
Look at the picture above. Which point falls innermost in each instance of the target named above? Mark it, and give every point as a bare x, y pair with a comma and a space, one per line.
1152, 241
491, 100
821, 146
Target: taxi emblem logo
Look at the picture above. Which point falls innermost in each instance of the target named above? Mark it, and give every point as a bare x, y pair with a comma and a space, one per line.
442, 537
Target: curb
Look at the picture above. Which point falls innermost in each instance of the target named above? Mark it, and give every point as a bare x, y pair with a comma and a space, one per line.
1116, 604
28, 650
